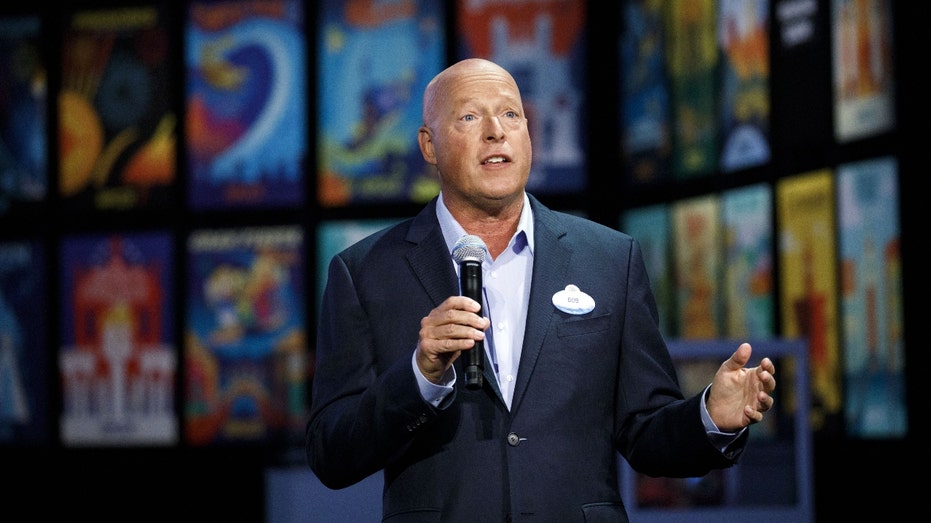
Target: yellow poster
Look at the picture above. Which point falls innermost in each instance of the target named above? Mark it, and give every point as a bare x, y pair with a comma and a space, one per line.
808, 284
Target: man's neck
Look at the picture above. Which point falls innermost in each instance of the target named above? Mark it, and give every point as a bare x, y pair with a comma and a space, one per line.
495, 229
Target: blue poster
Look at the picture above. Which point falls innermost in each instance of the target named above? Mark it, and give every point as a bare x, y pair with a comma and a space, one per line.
23, 147
375, 61
871, 299
24, 416
246, 104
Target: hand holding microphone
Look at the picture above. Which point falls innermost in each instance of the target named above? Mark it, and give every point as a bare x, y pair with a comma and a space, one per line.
469, 253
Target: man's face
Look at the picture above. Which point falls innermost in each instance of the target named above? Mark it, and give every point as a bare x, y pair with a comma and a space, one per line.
478, 138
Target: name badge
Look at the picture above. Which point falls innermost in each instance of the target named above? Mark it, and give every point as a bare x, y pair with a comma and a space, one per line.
571, 300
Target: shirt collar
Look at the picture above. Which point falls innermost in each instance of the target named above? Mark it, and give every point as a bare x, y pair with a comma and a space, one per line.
452, 231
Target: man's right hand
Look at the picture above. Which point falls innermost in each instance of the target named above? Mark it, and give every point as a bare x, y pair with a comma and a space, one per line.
449, 329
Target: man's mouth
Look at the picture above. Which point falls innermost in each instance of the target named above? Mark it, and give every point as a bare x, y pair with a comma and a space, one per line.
495, 159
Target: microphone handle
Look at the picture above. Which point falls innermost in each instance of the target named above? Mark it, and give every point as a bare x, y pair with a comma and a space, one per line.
470, 281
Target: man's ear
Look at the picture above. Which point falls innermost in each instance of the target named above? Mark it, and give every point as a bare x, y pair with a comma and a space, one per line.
425, 140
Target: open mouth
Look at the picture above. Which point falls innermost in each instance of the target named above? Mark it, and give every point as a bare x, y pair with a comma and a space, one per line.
495, 159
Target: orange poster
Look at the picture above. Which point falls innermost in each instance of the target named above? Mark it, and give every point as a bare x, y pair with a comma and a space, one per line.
698, 252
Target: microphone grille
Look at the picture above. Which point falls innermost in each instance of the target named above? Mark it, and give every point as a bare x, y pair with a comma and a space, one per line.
469, 247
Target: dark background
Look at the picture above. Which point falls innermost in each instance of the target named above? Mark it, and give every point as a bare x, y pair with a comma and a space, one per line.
226, 484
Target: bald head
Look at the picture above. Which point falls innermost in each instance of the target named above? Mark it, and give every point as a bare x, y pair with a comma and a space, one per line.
440, 84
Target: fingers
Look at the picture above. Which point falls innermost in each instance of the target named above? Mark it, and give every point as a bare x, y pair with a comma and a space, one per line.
765, 400
764, 403
452, 326
740, 357
768, 366
752, 414
766, 373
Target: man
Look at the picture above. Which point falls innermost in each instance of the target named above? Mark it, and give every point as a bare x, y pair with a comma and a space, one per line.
576, 370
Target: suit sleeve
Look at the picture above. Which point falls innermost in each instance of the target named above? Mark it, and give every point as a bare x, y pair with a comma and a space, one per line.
660, 433
360, 417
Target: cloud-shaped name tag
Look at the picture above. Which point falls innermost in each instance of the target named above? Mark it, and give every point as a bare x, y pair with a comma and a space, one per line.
573, 301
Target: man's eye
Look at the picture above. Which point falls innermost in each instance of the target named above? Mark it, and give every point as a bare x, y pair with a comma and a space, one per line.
468, 118
510, 114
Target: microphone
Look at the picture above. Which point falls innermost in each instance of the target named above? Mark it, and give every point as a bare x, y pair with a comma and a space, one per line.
469, 252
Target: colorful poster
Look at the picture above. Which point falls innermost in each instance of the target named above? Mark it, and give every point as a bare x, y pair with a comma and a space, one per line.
650, 227
334, 236
864, 80
697, 262
743, 31
375, 60
808, 285
246, 100
749, 299
542, 44
245, 349
24, 379
692, 54
23, 144
118, 356
871, 299
646, 142
116, 128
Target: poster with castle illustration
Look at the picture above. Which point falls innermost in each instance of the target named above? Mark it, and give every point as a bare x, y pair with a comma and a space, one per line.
117, 358
246, 101
543, 45
245, 347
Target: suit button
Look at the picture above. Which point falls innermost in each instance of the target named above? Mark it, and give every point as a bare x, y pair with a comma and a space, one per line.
513, 439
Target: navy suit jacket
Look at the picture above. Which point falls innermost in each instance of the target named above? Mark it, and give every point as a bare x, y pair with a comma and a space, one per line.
588, 386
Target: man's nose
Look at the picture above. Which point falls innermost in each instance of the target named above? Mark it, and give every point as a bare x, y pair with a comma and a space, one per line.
495, 131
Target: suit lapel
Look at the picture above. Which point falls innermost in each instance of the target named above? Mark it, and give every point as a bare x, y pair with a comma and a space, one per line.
429, 258
550, 266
